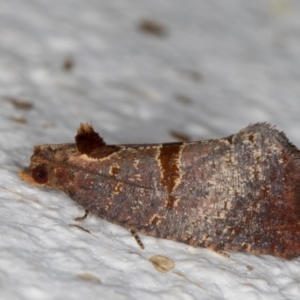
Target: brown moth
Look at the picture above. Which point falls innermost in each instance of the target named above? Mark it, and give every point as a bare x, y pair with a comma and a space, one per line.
239, 193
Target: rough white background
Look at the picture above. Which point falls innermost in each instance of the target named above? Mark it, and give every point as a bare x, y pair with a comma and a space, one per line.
219, 66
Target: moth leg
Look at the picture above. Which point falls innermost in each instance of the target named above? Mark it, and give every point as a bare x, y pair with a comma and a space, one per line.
224, 254
138, 240
83, 217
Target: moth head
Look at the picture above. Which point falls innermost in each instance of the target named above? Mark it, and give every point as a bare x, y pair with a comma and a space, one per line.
45, 167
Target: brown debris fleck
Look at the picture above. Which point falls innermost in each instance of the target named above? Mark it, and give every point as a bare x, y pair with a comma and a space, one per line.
162, 264
68, 64
89, 277
19, 104
152, 27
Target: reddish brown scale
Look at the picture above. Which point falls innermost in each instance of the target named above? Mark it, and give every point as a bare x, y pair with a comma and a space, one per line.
168, 161
240, 193
115, 170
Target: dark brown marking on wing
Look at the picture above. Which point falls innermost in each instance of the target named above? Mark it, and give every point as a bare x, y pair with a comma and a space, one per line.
90, 143
169, 161
87, 140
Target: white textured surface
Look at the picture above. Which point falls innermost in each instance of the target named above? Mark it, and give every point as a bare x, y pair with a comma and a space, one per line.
129, 84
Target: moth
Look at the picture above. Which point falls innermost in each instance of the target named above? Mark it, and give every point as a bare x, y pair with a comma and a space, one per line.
239, 193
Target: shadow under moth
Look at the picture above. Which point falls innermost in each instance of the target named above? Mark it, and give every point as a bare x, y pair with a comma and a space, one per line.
239, 193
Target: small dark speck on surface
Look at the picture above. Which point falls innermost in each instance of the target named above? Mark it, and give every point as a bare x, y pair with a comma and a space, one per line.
19, 104
68, 64
250, 268
152, 27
